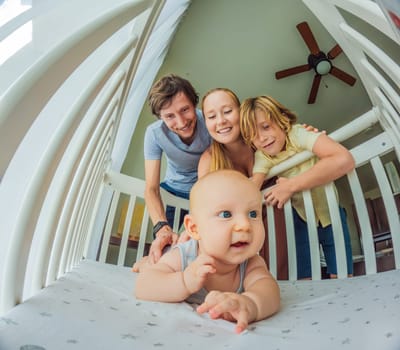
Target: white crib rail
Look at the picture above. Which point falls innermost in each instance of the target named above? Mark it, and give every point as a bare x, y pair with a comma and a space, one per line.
58, 124
134, 188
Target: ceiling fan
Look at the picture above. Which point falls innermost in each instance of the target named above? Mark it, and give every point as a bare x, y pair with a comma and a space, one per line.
317, 60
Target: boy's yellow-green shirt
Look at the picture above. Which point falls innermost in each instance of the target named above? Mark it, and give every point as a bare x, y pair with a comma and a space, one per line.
298, 140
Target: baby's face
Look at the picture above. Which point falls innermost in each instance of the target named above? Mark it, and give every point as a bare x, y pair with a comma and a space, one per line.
270, 137
229, 220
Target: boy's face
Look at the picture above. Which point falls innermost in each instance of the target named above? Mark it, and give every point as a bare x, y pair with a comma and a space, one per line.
270, 137
228, 218
221, 114
180, 117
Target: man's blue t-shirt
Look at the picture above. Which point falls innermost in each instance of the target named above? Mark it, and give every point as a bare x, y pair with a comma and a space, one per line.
182, 159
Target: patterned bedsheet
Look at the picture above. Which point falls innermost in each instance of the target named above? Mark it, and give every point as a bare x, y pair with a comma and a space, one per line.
93, 307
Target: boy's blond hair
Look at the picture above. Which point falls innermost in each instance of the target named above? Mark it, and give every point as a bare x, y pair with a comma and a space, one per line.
274, 111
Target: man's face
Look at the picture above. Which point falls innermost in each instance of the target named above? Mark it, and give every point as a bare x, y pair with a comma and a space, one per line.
180, 117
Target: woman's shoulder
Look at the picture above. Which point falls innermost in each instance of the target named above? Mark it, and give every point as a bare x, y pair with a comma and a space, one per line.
204, 163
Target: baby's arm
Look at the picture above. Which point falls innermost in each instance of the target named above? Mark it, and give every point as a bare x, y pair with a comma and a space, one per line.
166, 282
259, 300
334, 161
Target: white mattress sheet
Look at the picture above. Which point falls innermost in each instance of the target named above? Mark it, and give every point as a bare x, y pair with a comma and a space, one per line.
93, 307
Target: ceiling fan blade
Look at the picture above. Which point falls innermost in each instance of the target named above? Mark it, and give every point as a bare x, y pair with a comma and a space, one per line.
314, 89
334, 51
308, 37
343, 76
292, 71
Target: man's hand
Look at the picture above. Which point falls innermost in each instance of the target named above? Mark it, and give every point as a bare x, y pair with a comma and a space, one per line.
164, 237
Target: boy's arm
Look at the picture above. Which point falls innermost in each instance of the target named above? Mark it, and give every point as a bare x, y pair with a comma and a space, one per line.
334, 161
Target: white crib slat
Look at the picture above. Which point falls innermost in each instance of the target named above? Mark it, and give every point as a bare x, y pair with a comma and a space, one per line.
143, 234
374, 147
125, 233
341, 262
177, 216
177, 202
363, 220
273, 268
109, 224
313, 236
390, 207
291, 242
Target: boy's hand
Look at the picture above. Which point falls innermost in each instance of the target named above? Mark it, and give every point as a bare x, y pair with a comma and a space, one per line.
196, 273
280, 193
230, 307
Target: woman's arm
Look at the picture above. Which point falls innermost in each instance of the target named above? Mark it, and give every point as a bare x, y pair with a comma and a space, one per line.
203, 167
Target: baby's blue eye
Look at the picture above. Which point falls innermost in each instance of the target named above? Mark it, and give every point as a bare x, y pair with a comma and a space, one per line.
225, 214
253, 214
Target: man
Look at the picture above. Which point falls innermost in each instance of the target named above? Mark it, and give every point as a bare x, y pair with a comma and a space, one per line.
181, 134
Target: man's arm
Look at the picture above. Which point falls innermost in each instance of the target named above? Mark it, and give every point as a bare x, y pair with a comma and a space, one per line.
152, 195
165, 235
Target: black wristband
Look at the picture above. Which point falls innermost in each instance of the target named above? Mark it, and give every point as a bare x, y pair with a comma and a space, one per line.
158, 226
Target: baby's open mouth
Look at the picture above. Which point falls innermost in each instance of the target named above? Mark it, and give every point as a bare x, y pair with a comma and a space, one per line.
239, 244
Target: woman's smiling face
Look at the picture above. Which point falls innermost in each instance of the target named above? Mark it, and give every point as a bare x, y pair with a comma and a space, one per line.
221, 114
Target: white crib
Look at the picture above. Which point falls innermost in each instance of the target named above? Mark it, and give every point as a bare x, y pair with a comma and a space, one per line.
61, 116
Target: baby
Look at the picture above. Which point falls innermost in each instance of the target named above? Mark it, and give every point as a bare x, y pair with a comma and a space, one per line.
219, 267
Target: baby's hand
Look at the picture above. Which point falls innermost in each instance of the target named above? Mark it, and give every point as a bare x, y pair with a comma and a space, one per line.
196, 273
230, 307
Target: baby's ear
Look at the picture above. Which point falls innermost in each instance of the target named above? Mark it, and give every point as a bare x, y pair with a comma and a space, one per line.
191, 227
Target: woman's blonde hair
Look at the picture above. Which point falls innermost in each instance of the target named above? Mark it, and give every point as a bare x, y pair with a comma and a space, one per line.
273, 110
219, 158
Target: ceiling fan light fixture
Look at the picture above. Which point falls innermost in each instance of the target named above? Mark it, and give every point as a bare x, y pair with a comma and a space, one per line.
318, 61
323, 67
